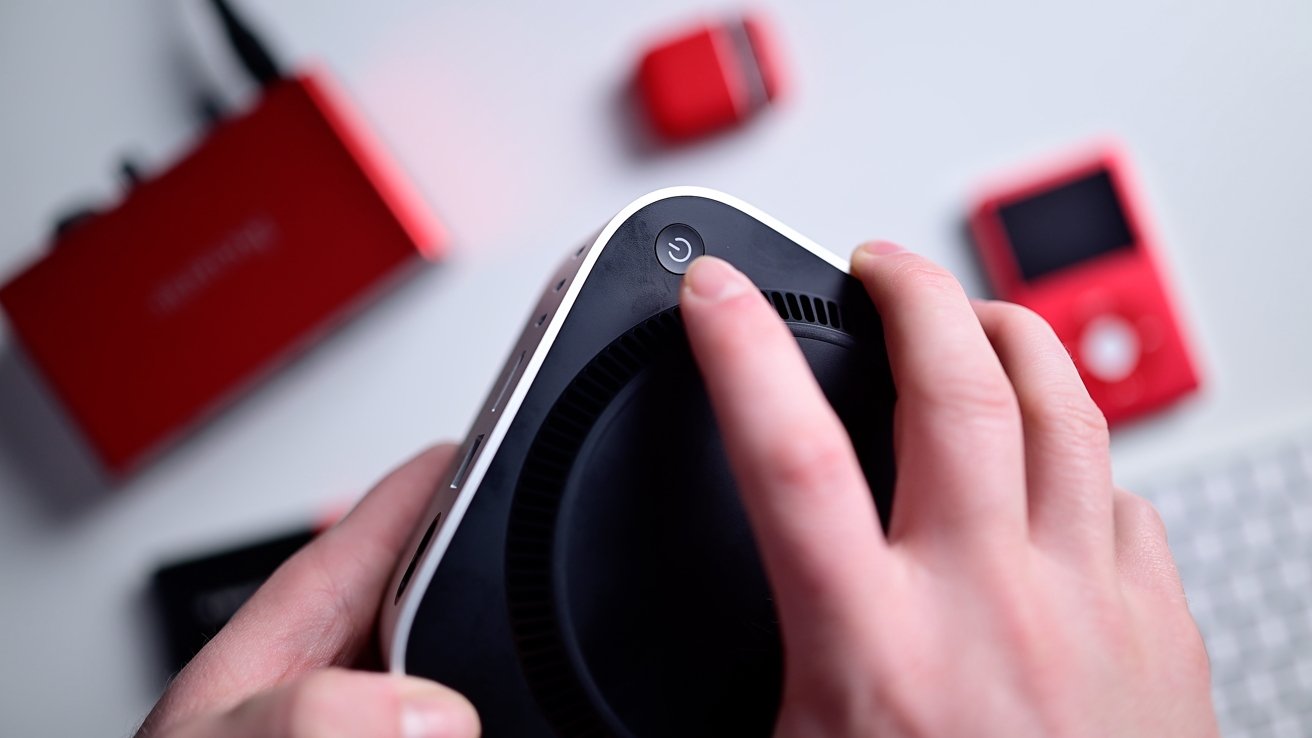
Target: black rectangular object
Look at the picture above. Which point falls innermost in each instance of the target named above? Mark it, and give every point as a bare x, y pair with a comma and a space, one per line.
1066, 226
198, 596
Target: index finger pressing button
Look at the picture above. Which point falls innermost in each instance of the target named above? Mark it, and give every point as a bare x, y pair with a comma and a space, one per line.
677, 246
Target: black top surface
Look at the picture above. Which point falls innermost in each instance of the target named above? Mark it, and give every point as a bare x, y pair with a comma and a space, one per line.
663, 605
604, 580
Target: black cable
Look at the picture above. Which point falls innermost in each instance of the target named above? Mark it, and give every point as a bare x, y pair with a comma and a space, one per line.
131, 173
254, 56
252, 52
72, 218
209, 107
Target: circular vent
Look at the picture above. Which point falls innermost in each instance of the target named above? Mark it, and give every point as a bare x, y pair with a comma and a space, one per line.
638, 603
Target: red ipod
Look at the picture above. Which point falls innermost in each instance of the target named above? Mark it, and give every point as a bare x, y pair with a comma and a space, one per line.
1073, 242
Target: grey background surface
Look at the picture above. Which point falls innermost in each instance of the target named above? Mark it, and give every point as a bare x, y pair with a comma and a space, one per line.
514, 121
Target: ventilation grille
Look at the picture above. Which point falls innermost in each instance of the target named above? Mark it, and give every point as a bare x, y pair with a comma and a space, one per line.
799, 308
533, 517
530, 533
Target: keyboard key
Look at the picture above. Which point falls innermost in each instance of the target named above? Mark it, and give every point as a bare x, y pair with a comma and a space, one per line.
1242, 535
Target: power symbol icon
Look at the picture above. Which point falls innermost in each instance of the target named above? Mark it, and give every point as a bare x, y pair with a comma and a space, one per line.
685, 249
676, 246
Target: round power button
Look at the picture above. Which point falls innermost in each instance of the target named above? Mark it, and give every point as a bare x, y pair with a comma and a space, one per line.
676, 246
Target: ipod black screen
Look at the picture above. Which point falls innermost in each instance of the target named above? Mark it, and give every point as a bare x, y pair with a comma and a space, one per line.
1065, 226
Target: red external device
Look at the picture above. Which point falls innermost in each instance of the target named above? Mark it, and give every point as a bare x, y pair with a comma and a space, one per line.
709, 77
1073, 241
147, 317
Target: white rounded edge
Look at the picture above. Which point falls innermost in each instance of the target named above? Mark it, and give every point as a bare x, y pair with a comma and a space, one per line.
396, 633
828, 256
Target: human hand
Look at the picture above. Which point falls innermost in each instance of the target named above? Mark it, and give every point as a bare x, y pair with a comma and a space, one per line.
277, 669
1018, 591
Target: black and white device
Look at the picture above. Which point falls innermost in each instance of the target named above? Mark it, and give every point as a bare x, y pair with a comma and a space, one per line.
587, 568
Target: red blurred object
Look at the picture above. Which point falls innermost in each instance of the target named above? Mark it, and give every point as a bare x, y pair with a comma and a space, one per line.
711, 77
282, 221
1073, 241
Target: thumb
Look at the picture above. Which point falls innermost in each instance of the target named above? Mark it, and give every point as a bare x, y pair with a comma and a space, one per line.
336, 703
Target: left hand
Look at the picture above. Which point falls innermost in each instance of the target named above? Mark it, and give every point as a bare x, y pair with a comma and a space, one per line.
281, 667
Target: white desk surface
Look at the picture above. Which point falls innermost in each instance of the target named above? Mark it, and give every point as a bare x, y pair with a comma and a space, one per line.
512, 120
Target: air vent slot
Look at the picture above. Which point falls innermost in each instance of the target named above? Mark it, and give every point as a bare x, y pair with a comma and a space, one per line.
805, 308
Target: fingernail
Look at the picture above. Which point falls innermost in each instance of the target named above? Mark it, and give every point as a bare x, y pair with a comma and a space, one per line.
429, 717
871, 250
713, 279
879, 248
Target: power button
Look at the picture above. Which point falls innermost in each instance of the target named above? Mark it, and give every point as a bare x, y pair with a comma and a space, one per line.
676, 247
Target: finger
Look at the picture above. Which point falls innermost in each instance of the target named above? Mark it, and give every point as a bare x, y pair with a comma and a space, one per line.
335, 703
1067, 458
318, 608
959, 451
804, 492
1143, 558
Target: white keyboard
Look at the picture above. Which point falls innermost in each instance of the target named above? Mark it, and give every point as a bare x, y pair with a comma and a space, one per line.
1241, 531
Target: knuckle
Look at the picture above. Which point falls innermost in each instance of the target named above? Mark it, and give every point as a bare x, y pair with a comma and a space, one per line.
916, 273
983, 398
1022, 632
1140, 509
1026, 626
1060, 406
809, 462
998, 311
1021, 324
1200, 661
1015, 317
1073, 418
1141, 513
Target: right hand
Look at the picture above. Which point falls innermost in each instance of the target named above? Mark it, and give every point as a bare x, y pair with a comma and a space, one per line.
1017, 593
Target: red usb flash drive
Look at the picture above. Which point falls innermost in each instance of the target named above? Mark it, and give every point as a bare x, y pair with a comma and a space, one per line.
710, 77
146, 317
